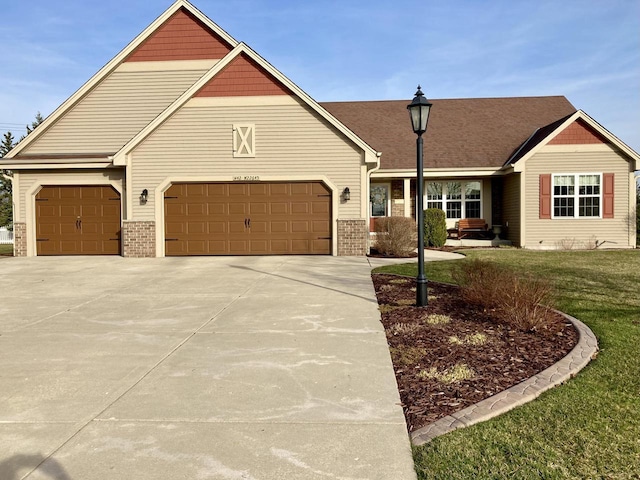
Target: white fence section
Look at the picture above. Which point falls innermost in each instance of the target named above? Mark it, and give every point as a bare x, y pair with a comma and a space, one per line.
6, 236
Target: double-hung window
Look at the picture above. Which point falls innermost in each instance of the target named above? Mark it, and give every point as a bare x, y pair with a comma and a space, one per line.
577, 195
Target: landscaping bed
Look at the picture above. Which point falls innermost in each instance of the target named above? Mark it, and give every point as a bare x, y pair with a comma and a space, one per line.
450, 355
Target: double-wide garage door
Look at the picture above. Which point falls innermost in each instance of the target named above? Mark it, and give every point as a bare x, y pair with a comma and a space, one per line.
78, 220
247, 218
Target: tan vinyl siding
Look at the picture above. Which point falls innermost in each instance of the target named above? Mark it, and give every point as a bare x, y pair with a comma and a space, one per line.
615, 232
511, 208
33, 178
114, 111
291, 142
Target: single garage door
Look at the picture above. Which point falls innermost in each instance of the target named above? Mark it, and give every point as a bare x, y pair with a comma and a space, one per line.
78, 220
247, 219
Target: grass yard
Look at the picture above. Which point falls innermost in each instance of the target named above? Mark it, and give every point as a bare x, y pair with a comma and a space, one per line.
588, 428
6, 249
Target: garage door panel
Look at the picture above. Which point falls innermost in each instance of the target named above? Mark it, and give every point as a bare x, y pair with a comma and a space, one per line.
196, 227
258, 189
258, 227
278, 208
172, 209
238, 208
238, 247
299, 208
196, 209
195, 190
258, 208
278, 189
78, 220
320, 208
279, 227
300, 189
320, 226
299, 227
237, 189
251, 218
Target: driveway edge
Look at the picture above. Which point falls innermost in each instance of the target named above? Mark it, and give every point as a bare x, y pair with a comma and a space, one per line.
585, 350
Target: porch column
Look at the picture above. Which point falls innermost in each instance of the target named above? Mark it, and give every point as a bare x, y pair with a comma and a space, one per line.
407, 197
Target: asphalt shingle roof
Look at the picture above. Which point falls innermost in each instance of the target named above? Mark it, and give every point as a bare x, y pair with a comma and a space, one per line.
462, 133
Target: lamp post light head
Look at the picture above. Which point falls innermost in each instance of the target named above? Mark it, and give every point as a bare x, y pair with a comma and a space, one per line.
419, 110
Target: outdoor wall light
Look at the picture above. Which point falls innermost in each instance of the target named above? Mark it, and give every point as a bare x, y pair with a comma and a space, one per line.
346, 194
144, 196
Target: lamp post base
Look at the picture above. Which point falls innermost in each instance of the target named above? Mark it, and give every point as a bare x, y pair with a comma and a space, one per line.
421, 292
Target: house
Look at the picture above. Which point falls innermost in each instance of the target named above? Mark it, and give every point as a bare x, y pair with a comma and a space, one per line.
190, 143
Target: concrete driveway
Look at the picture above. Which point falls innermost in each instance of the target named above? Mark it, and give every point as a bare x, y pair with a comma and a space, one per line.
196, 368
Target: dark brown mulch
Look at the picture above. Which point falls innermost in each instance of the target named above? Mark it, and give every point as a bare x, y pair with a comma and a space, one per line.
507, 357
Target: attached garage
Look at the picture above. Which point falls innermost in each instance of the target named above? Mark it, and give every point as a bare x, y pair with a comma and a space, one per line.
248, 218
78, 220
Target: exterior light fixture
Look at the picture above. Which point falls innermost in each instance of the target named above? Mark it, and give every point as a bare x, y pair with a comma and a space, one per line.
144, 196
346, 194
419, 110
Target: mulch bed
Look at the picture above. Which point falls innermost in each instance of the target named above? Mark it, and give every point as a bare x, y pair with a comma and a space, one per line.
498, 356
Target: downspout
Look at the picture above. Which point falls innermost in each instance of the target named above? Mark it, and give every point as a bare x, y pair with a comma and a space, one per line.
13, 204
368, 194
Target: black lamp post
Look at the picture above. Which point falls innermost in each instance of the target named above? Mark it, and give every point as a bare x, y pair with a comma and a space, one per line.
419, 110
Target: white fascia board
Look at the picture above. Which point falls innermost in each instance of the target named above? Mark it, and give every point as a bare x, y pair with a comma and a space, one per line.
519, 166
55, 165
441, 172
113, 64
121, 157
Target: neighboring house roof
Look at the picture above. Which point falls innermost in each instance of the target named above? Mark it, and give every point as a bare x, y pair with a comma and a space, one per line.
462, 133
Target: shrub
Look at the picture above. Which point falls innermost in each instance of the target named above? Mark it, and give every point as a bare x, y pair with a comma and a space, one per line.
395, 236
435, 227
519, 301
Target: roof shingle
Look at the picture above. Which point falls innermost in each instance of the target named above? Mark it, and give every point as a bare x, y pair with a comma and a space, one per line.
462, 133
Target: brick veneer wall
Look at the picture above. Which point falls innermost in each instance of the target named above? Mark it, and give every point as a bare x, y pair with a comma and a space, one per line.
138, 239
352, 237
397, 193
19, 239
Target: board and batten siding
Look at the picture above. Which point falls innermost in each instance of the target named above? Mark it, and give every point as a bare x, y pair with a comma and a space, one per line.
511, 207
552, 233
291, 142
114, 111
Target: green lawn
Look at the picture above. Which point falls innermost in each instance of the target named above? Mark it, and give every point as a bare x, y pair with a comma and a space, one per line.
6, 249
588, 428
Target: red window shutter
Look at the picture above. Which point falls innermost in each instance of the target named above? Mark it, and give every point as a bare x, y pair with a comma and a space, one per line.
545, 196
607, 195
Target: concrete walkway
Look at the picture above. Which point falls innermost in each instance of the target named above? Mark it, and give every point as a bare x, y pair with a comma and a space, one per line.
196, 368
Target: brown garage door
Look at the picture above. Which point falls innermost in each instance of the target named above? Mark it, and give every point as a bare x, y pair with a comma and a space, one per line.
78, 220
247, 219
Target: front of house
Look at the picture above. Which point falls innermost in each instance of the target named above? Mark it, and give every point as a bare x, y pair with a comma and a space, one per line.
189, 143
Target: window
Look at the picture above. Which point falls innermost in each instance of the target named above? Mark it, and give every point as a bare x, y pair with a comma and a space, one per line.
576, 195
244, 140
434, 195
457, 199
379, 200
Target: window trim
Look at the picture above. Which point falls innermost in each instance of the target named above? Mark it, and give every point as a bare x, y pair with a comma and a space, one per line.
462, 200
576, 196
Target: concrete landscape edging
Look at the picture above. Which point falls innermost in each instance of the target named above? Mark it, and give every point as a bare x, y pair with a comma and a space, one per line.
524, 392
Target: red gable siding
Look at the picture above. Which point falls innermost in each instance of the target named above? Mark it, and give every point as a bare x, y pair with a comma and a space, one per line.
577, 133
181, 37
242, 77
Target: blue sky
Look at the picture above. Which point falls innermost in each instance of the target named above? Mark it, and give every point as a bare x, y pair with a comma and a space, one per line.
587, 50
